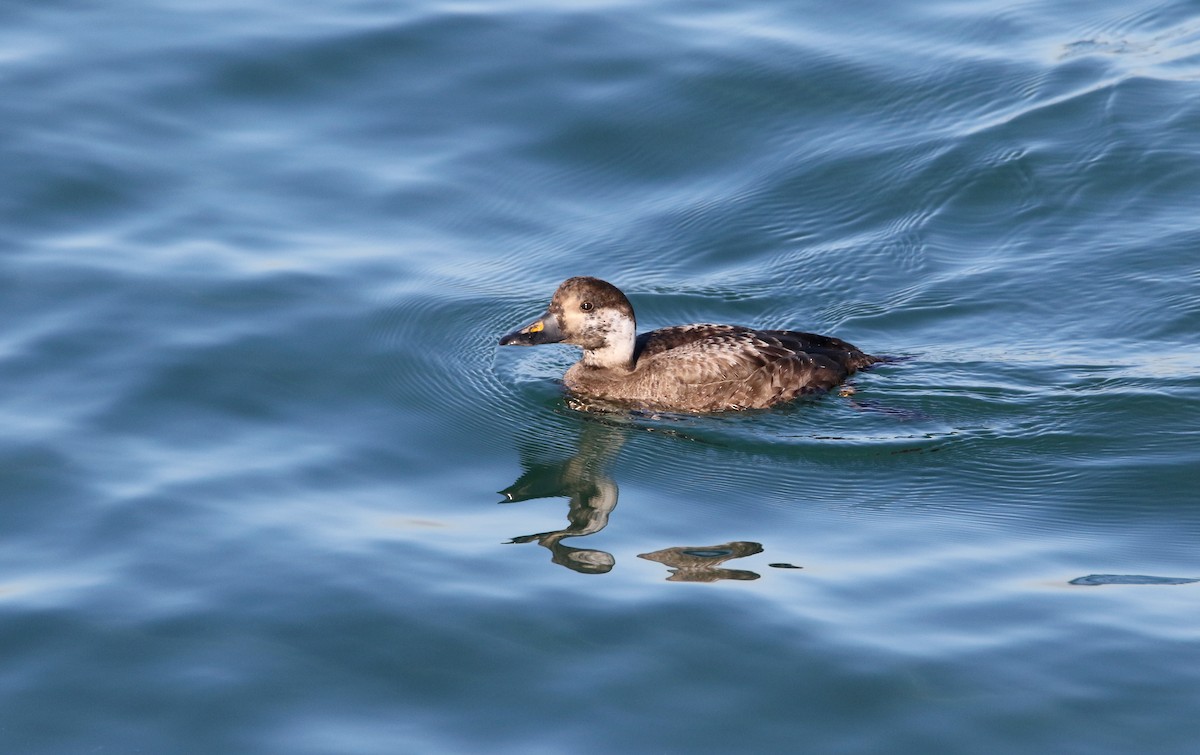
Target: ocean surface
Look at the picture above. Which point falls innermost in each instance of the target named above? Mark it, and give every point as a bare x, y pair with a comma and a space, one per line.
254, 261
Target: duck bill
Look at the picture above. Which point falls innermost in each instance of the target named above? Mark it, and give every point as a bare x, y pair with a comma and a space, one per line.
542, 330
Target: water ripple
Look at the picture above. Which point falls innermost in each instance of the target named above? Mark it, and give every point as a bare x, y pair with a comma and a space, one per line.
256, 263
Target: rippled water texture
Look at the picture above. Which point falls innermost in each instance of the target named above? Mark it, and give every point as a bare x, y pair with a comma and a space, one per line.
255, 260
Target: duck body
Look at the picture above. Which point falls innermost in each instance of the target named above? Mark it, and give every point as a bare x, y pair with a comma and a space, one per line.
709, 368
685, 368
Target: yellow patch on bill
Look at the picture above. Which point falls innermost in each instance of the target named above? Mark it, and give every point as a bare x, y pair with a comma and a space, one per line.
537, 327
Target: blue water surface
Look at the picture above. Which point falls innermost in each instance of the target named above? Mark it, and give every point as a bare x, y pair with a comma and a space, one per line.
255, 260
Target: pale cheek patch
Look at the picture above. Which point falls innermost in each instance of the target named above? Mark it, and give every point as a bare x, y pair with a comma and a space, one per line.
616, 333
622, 328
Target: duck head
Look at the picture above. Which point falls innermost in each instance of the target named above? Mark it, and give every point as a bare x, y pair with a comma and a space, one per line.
589, 313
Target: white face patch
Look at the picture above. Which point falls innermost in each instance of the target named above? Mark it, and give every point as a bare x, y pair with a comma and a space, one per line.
619, 331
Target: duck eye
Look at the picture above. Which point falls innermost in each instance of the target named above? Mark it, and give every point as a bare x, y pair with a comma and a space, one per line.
586, 306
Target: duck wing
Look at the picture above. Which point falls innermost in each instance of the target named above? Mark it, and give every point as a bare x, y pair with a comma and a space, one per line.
714, 367
836, 349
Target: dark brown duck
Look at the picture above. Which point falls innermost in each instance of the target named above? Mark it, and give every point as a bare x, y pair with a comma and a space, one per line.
684, 368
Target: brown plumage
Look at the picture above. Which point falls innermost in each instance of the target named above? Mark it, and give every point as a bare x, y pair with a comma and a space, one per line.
685, 368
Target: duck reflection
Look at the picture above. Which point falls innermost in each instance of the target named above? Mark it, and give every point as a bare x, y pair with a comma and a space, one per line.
593, 495
702, 563
584, 480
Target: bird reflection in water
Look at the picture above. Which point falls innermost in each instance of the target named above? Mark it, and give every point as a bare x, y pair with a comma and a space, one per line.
592, 493
584, 480
702, 563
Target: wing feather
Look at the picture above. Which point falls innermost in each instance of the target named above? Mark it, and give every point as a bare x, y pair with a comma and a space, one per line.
727, 366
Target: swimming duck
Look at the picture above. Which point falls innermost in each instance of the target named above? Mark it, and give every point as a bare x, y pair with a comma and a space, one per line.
684, 368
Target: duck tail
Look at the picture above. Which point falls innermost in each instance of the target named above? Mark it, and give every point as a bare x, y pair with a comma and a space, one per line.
863, 361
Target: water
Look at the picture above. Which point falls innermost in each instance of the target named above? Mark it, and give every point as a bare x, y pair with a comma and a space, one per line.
255, 261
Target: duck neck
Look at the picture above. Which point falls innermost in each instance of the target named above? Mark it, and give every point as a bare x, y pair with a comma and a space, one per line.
617, 351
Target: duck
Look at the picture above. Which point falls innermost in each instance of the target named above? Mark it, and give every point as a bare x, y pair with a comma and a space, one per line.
698, 368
